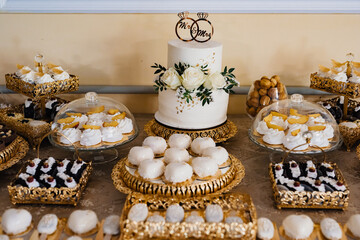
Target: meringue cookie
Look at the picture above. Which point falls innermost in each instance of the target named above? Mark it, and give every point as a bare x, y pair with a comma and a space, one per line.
125, 125
90, 137
138, 154
214, 213
177, 172
340, 76
95, 122
28, 77
111, 134
112, 225
204, 166
81, 120
72, 135
82, 221
151, 168
48, 224
265, 229
353, 224
298, 226
176, 155
74, 238
319, 139
61, 76
179, 141
262, 128
174, 213
291, 142
46, 78
138, 212
15, 221
219, 154
97, 116
274, 136
330, 229
199, 144
296, 126
157, 144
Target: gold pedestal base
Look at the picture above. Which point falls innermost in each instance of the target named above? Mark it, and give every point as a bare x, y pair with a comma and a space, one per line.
220, 133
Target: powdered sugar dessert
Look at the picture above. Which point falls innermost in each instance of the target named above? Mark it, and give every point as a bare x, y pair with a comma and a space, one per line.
151, 168
178, 172
15, 221
199, 144
179, 141
138, 154
176, 155
82, 221
157, 144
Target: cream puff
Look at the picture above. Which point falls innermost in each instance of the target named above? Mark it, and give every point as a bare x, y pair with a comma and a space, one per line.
219, 154
204, 166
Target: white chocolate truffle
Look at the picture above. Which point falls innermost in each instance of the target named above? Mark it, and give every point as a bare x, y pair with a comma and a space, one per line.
151, 168
265, 229
175, 213
214, 213
138, 212
138, 154
112, 225
157, 144
4, 237
156, 218
48, 224
15, 221
199, 144
330, 229
219, 154
298, 226
82, 221
179, 141
353, 224
204, 166
178, 172
176, 155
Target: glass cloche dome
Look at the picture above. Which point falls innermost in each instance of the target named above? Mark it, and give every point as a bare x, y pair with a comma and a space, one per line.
93, 123
295, 124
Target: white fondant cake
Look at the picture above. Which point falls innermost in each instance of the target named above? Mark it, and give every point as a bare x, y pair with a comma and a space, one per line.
176, 112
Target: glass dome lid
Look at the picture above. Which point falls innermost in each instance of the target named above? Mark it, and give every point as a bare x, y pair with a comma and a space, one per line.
297, 125
93, 123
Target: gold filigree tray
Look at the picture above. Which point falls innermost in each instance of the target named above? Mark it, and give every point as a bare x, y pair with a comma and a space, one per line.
39, 195
307, 199
220, 133
32, 134
42, 90
348, 89
241, 204
13, 153
127, 182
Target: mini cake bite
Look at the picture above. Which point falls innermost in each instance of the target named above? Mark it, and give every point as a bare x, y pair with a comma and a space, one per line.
353, 224
15, 221
151, 168
177, 172
138, 154
179, 141
48, 224
265, 229
157, 144
112, 225
204, 166
138, 212
214, 213
176, 155
199, 144
219, 154
82, 221
298, 226
175, 213
194, 218
330, 229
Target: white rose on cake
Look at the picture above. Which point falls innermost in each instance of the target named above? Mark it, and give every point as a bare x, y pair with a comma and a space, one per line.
172, 78
192, 78
215, 81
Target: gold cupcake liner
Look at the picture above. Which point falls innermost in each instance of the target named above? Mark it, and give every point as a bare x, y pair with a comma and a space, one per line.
127, 183
13, 153
348, 89
42, 90
240, 203
220, 133
38, 195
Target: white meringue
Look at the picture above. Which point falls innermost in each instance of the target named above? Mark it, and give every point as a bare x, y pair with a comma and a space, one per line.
265, 229
15, 221
151, 168
177, 172
157, 144
174, 213
138, 154
179, 141
176, 155
82, 221
90, 137
199, 144
298, 226
330, 229
219, 154
204, 166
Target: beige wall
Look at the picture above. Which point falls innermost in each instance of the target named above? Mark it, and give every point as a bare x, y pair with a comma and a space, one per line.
118, 49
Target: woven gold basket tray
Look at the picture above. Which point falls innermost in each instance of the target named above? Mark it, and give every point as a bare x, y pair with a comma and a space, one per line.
13, 153
314, 199
42, 90
126, 182
241, 204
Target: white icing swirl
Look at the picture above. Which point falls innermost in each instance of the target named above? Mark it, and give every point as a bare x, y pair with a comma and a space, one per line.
291, 141
274, 136
90, 137
72, 135
62, 76
48, 224
111, 134
125, 125
318, 139
46, 78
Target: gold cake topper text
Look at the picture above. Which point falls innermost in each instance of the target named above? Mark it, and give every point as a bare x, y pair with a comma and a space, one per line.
188, 29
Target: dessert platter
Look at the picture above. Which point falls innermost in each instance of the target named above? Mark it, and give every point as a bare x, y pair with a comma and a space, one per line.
286, 124
94, 125
226, 216
264, 92
180, 167
193, 92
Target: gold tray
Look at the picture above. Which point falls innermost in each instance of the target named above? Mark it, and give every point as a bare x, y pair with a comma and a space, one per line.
220, 133
240, 203
13, 153
127, 183
350, 136
32, 134
42, 90
38, 195
348, 89
314, 199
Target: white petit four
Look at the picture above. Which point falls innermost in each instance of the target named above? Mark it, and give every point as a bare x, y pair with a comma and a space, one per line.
151, 168
298, 226
138, 212
157, 144
179, 141
178, 172
82, 221
265, 229
138, 154
175, 213
48, 224
219, 154
199, 144
176, 155
205, 166
214, 213
15, 221
330, 229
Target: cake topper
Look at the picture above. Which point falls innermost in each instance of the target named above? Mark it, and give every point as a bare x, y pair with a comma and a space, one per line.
187, 29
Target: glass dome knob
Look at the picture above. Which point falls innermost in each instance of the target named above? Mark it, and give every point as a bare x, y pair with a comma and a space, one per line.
39, 58
297, 98
91, 97
350, 57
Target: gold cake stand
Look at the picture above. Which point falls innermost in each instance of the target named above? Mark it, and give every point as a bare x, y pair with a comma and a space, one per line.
127, 183
13, 153
220, 133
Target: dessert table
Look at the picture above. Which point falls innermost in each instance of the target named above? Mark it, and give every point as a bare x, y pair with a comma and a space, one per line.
102, 197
